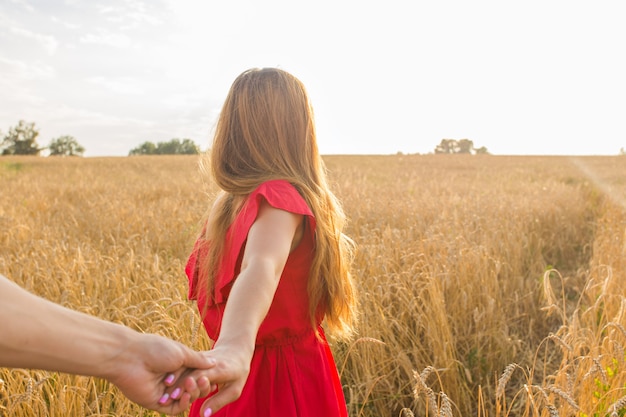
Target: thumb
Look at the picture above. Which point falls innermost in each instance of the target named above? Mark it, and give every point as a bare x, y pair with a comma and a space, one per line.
224, 396
197, 360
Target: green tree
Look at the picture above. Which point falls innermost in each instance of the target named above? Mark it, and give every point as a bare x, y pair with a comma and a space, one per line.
463, 146
168, 148
188, 147
21, 140
146, 148
447, 146
65, 146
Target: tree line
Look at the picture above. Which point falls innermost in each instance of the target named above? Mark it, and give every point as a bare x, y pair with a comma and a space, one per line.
22, 140
173, 147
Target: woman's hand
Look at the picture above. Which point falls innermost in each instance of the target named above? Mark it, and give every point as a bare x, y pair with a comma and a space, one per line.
228, 375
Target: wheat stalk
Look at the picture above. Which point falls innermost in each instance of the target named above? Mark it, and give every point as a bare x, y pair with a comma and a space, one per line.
617, 406
406, 412
564, 395
504, 379
560, 341
421, 386
446, 406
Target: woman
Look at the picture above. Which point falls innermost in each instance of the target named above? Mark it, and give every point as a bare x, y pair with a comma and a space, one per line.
272, 262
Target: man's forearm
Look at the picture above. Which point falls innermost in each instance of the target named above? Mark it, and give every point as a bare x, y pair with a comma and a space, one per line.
39, 334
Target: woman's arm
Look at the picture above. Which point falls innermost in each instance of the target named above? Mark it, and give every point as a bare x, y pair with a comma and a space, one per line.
269, 242
39, 334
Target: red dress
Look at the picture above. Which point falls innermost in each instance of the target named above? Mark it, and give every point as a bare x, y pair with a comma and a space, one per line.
292, 373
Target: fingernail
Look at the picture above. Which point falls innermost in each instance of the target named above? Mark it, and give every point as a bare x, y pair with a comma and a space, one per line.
208, 412
164, 399
170, 378
176, 393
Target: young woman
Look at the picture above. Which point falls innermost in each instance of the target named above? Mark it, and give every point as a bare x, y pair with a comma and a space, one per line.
271, 264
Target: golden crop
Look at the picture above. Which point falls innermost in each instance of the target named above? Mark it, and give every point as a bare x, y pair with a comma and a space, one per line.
489, 285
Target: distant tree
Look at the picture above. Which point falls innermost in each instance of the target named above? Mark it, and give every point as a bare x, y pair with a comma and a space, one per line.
622, 151
21, 140
168, 148
463, 146
446, 146
146, 148
173, 147
65, 146
188, 147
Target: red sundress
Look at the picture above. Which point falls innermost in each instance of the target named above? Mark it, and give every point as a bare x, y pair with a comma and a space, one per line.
292, 372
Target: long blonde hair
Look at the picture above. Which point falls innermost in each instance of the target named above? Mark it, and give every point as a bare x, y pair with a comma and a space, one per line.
266, 131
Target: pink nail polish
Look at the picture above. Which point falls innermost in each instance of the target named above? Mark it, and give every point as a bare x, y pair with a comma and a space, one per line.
170, 378
176, 393
208, 412
164, 399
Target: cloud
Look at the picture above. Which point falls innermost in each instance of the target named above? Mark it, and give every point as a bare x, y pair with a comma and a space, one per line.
130, 15
14, 70
47, 42
74, 117
116, 40
66, 25
121, 85
19, 83
24, 4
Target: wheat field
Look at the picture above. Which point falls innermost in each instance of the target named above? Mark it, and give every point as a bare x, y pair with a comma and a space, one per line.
489, 285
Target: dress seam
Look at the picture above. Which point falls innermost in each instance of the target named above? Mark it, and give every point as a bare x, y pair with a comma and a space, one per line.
290, 340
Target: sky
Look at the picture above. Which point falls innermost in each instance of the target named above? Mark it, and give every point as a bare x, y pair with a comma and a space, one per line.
539, 77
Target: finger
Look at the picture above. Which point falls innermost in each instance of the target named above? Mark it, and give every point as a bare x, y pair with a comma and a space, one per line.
197, 387
170, 378
174, 387
178, 406
185, 401
182, 404
223, 397
174, 407
192, 360
205, 363
204, 386
197, 360
177, 393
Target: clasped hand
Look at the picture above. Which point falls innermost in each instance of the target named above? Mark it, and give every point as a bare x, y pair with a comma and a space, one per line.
225, 378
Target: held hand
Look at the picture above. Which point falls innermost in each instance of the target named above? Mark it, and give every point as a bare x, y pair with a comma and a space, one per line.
230, 373
150, 365
228, 377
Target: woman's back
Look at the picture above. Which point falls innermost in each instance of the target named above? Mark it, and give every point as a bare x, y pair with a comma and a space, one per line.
292, 372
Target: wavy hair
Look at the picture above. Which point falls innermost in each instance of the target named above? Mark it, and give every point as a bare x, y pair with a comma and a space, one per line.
266, 131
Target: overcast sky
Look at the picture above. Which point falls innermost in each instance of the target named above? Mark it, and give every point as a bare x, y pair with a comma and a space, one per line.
532, 77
